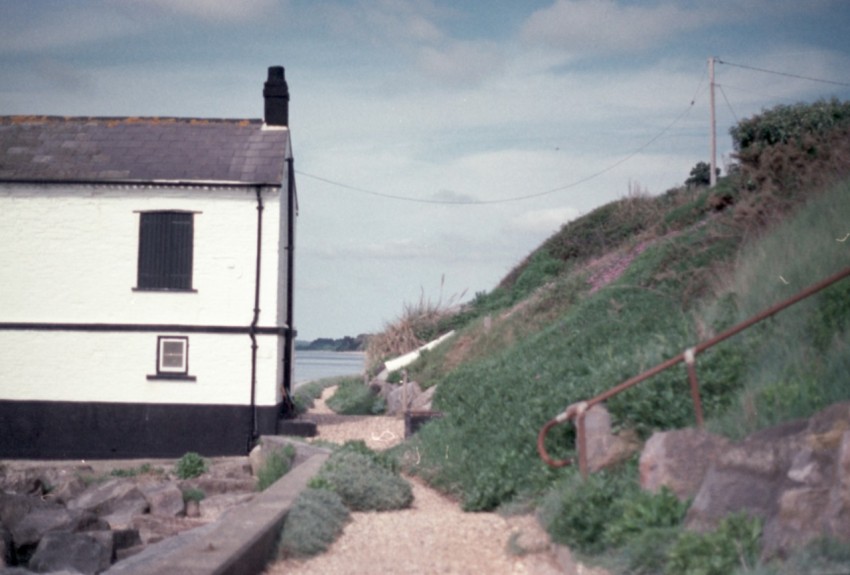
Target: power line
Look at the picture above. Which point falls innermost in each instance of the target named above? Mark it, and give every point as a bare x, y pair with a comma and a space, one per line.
763, 70
517, 198
722, 91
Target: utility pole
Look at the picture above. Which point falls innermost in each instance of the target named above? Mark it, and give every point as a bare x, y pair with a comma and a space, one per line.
713, 175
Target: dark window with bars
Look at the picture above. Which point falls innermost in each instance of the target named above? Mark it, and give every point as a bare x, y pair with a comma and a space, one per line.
165, 250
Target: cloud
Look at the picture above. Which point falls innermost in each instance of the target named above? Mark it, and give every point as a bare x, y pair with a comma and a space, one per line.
68, 26
542, 221
593, 26
215, 10
461, 63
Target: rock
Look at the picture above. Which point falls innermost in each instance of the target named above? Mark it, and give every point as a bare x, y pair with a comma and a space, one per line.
67, 489
14, 507
164, 499
678, 460
30, 529
396, 398
746, 476
795, 477
230, 468
423, 402
5, 546
838, 514
83, 552
605, 449
256, 458
116, 501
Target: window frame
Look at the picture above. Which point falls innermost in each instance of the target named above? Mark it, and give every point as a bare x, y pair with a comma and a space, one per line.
165, 255
163, 371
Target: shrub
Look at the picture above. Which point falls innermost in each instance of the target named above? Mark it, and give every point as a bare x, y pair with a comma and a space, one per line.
316, 519
276, 465
643, 511
353, 397
578, 511
735, 543
364, 481
190, 465
193, 494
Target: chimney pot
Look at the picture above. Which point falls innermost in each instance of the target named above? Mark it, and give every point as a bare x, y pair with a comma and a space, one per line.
276, 96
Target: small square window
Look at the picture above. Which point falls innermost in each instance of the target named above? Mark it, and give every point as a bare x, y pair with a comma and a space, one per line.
173, 355
172, 358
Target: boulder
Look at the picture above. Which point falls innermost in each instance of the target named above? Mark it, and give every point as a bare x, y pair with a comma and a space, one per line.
83, 552
30, 529
5, 546
116, 501
603, 448
678, 460
793, 476
67, 489
396, 398
423, 401
14, 507
39, 480
164, 499
230, 468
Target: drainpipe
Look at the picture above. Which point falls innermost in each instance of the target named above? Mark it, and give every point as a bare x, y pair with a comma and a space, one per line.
253, 330
288, 408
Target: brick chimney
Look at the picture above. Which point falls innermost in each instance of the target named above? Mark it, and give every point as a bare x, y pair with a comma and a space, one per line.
276, 96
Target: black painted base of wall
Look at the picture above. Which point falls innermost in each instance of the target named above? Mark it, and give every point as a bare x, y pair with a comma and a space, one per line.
71, 430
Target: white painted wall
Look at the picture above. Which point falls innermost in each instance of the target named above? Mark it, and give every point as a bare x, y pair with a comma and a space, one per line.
70, 255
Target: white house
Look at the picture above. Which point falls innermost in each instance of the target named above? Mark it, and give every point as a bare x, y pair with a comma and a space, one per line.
146, 279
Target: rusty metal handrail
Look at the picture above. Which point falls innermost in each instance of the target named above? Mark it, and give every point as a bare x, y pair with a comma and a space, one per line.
577, 411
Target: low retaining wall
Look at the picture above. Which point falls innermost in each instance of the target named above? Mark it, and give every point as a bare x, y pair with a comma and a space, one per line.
241, 542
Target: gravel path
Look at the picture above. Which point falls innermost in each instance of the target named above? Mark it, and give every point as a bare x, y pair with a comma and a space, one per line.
434, 535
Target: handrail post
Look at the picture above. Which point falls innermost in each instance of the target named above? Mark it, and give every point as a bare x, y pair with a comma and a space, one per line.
690, 362
581, 443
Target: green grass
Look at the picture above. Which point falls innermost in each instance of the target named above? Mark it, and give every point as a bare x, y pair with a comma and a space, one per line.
353, 397
305, 395
276, 465
798, 360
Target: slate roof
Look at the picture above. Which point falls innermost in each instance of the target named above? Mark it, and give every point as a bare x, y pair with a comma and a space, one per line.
141, 149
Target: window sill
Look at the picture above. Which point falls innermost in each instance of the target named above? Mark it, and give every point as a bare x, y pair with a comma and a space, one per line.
175, 290
172, 377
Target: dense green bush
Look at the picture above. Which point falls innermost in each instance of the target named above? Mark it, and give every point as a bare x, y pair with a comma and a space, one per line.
639, 511
353, 397
783, 124
190, 465
734, 544
578, 512
316, 519
366, 481
276, 465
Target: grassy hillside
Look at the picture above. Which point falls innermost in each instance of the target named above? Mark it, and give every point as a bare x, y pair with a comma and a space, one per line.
627, 286
636, 282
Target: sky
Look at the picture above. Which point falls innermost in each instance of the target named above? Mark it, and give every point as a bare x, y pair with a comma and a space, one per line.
436, 142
